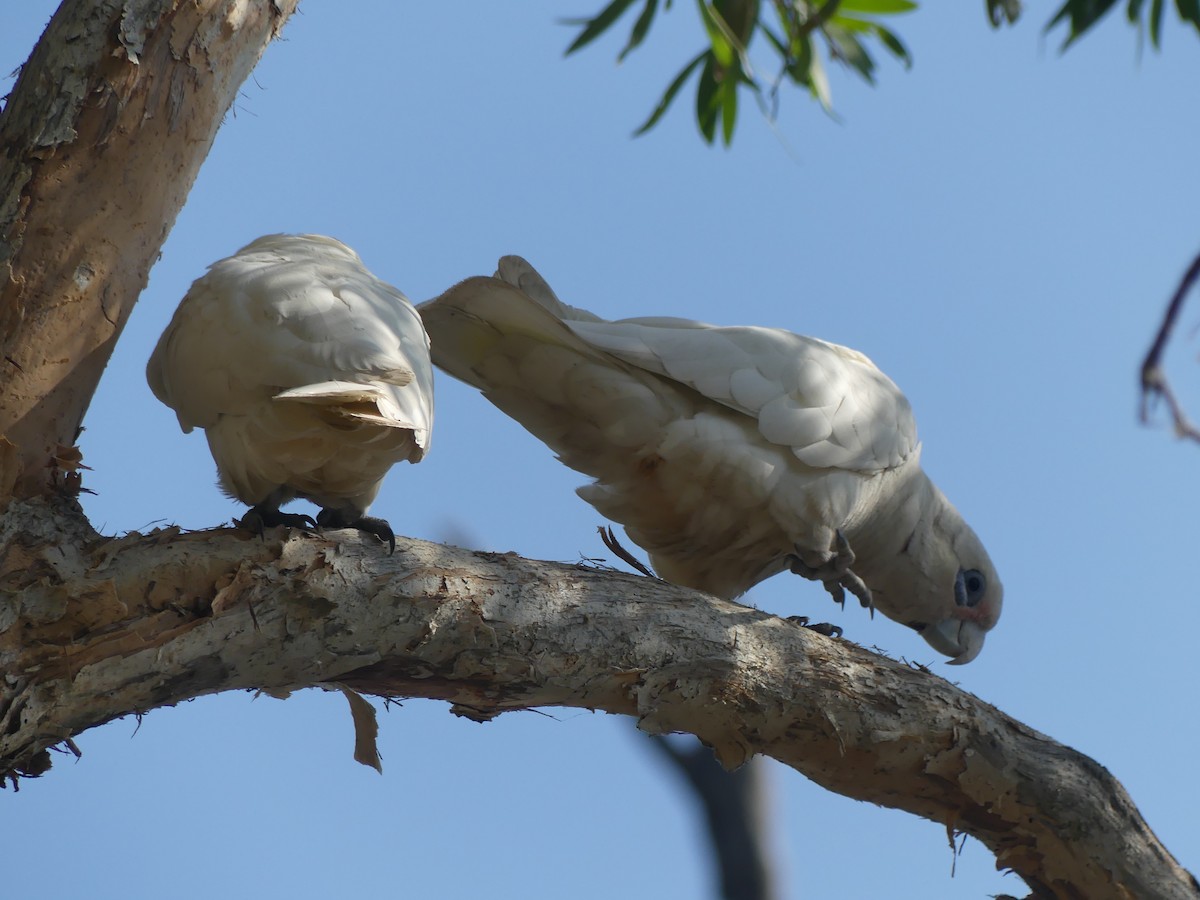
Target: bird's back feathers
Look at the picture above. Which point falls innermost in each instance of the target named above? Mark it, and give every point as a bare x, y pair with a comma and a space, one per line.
309, 374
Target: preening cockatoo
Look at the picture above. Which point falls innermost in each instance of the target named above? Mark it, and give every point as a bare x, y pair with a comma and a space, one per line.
729, 454
309, 375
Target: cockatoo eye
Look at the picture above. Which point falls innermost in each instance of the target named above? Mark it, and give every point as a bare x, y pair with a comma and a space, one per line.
969, 587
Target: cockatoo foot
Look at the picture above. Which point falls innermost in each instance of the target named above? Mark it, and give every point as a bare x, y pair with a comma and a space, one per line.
832, 569
826, 628
260, 518
328, 518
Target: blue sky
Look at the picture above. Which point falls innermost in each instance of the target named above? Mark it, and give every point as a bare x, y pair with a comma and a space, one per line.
998, 228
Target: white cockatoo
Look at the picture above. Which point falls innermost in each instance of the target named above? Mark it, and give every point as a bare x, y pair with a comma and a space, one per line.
309, 375
729, 454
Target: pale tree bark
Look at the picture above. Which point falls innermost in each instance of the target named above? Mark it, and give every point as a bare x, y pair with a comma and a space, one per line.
104, 133
96, 628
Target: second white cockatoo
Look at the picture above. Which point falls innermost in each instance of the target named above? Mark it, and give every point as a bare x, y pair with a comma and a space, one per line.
729, 454
310, 377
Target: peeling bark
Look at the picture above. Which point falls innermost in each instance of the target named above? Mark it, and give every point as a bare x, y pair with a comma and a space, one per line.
94, 628
104, 133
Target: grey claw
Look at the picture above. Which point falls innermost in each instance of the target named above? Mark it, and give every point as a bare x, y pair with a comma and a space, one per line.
841, 558
836, 592
856, 586
258, 518
826, 628
845, 556
380, 528
328, 518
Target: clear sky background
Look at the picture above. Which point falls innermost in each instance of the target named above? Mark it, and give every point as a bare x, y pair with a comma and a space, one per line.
999, 229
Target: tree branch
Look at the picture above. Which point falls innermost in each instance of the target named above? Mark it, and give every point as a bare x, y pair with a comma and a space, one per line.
104, 133
1154, 379
96, 628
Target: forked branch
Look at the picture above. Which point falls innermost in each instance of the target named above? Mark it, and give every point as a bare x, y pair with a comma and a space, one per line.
1155, 385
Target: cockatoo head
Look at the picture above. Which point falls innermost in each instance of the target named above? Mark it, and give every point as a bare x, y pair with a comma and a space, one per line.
959, 593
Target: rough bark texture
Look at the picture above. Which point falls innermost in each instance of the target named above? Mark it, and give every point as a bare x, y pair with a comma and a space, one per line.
94, 628
103, 136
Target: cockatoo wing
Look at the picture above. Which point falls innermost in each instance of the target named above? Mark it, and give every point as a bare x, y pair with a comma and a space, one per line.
829, 404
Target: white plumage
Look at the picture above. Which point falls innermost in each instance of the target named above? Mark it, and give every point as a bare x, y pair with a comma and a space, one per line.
729, 454
309, 375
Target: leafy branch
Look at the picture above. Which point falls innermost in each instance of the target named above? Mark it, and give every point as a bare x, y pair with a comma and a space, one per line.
801, 33
797, 34
1081, 15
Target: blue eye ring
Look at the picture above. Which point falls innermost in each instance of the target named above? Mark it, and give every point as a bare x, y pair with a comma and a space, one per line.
969, 587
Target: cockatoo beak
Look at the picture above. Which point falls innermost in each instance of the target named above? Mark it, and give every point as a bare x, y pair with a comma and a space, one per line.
960, 639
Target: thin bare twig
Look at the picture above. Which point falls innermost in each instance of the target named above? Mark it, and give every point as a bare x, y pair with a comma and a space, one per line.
1154, 379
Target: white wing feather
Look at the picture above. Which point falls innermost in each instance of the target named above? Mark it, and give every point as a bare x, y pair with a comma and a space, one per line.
829, 404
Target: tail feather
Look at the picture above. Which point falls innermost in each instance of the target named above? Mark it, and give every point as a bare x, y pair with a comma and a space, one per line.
472, 320
520, 274
364, 404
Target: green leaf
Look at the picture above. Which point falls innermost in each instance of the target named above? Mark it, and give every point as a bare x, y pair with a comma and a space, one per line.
847, 28
1082, 15
728, 111
849, 23
806, 63
894, 46
640, 28
819, 84
718, 34
846, 47
843, 30
739, 18
1189, 11
1156, 11
876, 7
708, 100
1000, 10
600, 24
669, 96
799, 63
